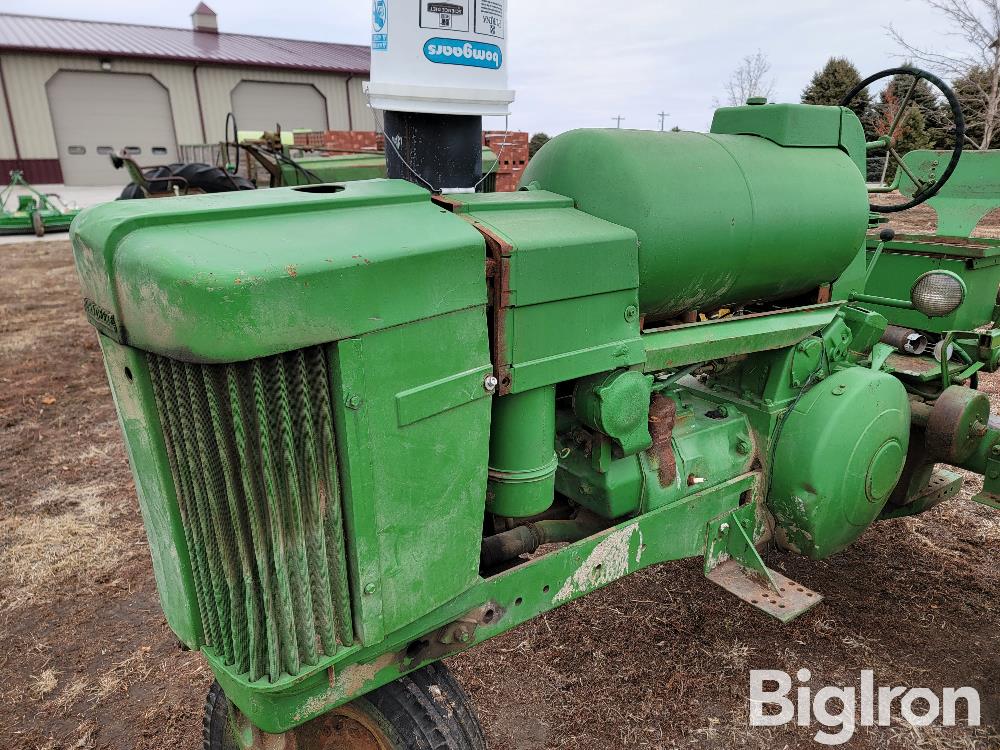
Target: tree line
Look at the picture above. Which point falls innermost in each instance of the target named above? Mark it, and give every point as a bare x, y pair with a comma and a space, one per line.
971, 66
927, 122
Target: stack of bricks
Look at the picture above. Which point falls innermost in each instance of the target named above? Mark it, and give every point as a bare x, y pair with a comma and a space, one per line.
347, 141
512, 152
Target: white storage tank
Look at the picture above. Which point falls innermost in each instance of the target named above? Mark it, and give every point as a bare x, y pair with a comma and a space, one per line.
440, 56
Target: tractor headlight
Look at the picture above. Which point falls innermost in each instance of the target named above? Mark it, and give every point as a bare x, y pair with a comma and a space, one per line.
937, 293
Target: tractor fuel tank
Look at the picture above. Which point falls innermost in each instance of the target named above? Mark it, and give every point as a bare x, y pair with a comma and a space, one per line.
722, 218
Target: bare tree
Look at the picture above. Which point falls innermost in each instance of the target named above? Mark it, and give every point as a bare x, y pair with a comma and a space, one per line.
976, 73
750, 79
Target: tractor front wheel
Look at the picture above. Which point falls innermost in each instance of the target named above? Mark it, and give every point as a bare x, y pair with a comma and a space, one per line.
424, 710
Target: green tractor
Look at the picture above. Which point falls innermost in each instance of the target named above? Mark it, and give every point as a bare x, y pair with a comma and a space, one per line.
372, 426
284, 166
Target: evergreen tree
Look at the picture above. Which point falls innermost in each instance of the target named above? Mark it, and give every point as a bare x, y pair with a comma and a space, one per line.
829, 85
911, 133
537, 141
973, 90
937, 120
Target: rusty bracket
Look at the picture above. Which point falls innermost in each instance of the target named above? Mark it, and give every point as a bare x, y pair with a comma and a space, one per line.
733, 562
498, 274
730, 538
943, 485
452, 637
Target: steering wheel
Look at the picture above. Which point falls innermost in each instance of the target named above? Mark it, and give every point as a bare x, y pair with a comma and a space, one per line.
923, 188
231, 120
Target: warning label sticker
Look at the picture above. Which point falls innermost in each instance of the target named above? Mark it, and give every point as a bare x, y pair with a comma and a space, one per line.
489, 18
451, 15
380, 26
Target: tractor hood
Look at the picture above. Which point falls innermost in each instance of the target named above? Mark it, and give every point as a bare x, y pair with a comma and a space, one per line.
233, 276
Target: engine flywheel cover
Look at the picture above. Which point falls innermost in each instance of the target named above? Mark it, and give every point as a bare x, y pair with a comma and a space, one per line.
839, 455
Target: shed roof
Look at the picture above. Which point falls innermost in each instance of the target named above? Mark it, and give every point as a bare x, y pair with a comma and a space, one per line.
42, 34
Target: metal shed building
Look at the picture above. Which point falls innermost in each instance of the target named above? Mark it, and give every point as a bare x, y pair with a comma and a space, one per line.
71, 92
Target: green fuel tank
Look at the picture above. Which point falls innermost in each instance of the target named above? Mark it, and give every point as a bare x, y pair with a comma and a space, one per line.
723, 218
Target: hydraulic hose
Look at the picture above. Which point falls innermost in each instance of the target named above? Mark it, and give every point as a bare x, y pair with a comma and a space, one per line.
523, 540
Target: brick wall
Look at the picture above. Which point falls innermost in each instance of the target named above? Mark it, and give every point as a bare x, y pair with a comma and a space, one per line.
512, 152
348, 140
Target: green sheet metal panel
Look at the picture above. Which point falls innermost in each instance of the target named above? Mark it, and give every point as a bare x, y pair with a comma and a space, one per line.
904, 260
972, 191
681, 345
796, 125
132, 389
785, 124
415, 491
569, 288
234, 276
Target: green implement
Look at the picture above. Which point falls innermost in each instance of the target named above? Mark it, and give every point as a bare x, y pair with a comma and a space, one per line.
32, 211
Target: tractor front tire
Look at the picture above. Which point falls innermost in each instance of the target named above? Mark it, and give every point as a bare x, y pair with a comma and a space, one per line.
424, 710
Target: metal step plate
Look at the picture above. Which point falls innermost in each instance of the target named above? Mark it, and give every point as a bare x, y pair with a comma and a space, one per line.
790, 601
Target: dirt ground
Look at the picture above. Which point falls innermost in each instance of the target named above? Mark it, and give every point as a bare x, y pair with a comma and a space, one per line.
658, 660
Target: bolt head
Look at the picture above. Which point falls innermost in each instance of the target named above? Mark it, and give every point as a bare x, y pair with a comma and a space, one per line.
369, 588
995, 450
631, 313
490, 383
353, 402
723, 528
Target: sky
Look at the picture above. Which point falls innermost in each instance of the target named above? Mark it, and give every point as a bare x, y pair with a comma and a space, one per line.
579, 63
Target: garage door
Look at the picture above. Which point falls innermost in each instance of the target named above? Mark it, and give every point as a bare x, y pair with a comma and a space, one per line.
96, 114
261, 105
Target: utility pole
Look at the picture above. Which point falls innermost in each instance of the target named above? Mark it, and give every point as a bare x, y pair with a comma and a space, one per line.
663, 116
618, 119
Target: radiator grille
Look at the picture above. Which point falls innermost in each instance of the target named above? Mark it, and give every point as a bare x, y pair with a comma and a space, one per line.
253, 456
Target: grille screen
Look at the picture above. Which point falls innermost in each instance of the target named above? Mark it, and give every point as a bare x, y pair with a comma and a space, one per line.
253, 455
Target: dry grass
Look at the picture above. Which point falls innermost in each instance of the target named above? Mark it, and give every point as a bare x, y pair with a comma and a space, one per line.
39, 554
72, 692
44, 683
117, 679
